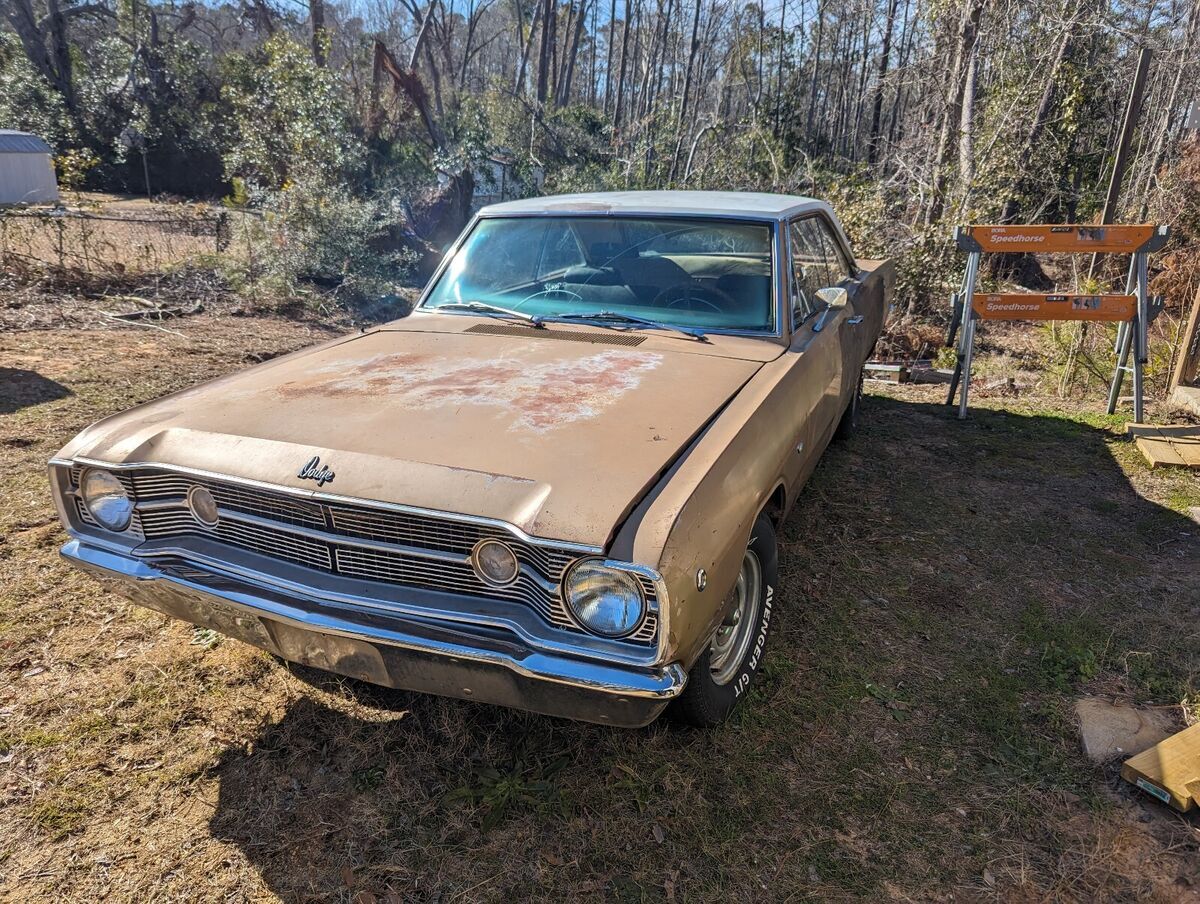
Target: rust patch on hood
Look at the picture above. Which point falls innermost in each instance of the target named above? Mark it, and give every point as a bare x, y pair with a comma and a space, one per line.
540, 396
558, 438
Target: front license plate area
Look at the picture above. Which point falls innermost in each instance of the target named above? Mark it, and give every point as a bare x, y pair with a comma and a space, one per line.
168, 599
331, 653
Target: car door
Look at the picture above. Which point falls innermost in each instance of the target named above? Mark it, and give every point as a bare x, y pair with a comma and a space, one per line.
826, 322
853, 328
814, 382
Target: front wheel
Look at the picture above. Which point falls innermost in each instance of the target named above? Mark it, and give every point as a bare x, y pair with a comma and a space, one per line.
725, 671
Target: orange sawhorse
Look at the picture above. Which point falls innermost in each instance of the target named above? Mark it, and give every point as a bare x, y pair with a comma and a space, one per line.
1132, 310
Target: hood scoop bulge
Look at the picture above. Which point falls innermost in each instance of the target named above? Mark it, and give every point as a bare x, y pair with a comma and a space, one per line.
527, 332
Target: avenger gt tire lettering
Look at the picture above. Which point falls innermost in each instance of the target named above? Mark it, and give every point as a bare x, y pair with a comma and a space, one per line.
724, 673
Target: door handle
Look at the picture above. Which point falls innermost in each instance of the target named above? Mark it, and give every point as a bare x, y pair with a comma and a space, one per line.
855, 320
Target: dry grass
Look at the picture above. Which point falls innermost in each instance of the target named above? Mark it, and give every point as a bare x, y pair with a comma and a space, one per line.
948, 589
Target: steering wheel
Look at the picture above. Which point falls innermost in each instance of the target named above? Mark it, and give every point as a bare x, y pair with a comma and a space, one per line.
692, 297
557, 293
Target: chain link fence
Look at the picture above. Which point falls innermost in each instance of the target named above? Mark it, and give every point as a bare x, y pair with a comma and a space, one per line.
115, 242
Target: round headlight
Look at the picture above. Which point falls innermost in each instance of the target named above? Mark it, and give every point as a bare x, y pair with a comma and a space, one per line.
203, 507
605, 600
106, 500
495, 562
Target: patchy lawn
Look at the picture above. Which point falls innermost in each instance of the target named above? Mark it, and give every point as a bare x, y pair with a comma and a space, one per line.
948, 590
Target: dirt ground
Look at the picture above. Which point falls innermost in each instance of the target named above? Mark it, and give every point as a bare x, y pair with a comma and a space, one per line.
948, 590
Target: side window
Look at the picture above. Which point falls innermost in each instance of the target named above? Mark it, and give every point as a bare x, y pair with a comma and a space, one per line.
809, 270
839, 266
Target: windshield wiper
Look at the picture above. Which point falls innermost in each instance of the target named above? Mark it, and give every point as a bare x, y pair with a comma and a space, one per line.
481, 307
605, 318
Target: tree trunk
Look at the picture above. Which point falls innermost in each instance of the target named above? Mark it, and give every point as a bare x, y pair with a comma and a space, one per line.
608, 49
900, 98
523, 64
651, 65
564, 91
408, 82
816, 64
560, 68
885, 51
779, 68
863, 69
1045, 106
593, 82
544, 50
60, 51
968, 31
966, 122
681, 117
1162, 137
619, 101
24, 21
320, 38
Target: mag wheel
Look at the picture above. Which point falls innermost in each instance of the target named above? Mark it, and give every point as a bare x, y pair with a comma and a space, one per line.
724, 672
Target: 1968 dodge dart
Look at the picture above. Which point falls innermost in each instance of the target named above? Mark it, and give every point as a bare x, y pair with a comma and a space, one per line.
555, 485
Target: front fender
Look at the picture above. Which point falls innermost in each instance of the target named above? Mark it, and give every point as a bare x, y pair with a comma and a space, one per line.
701, 513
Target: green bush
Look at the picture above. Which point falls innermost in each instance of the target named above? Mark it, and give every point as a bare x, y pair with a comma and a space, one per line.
312, 236
928, 266
27, 102
285, 118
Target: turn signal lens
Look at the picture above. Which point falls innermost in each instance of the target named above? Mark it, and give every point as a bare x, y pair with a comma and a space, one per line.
203, 506
495, 563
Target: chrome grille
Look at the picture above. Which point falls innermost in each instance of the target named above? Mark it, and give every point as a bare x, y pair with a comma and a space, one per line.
407, 549
283, 509
452, 577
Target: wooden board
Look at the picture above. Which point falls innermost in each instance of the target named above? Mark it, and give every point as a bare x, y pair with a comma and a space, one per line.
1170, 770
1110, 308
1187, 368
1178, 446
888, 373
1064, 238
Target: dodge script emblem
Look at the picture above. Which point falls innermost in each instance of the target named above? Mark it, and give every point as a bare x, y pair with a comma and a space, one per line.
314, 470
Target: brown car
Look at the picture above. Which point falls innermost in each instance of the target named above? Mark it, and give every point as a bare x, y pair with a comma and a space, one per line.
554, 486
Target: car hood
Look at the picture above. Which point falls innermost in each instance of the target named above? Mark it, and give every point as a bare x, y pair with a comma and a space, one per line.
560, 437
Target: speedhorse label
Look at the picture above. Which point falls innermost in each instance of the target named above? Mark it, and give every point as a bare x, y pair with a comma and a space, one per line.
1054, 307
1066, 238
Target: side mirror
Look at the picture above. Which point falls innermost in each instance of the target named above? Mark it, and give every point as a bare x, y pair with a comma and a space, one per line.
834, 297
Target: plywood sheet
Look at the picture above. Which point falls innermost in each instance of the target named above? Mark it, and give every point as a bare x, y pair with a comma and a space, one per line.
1177, 446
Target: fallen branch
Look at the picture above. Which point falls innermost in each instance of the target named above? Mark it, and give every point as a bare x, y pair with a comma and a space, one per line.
153, 326
151, 314
158, 313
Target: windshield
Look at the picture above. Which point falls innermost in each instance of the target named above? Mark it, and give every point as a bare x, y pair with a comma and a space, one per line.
691, 272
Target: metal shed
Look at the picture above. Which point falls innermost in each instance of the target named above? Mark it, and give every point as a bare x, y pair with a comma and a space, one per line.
26, 171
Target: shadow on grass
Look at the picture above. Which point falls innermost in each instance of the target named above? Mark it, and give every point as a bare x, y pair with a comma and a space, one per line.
947, 589
24, 388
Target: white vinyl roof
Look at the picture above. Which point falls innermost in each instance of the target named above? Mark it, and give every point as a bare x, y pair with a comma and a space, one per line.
750, 205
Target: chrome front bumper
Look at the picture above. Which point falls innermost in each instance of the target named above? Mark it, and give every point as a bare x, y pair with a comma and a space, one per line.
484, 665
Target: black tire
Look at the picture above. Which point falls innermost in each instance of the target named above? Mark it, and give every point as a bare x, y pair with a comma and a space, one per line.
711, 694
849, 419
